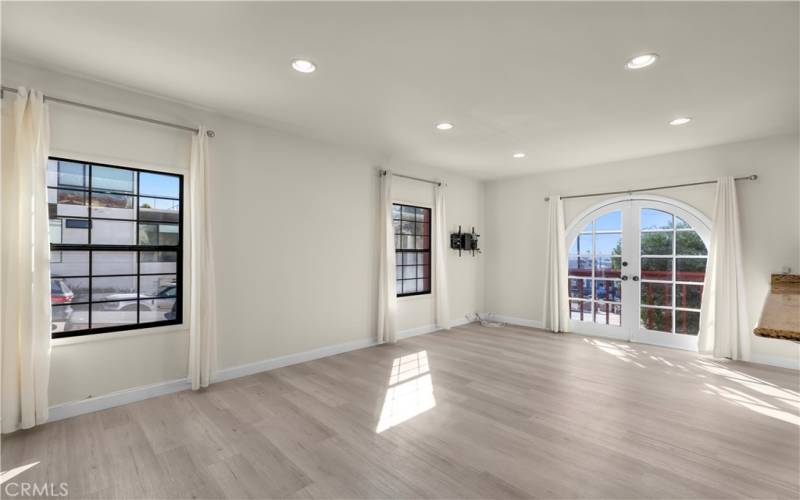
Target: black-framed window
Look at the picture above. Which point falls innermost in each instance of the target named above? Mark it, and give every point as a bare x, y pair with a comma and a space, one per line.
412, 242
116, 247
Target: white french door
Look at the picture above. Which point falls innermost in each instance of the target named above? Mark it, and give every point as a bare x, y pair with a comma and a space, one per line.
636, 270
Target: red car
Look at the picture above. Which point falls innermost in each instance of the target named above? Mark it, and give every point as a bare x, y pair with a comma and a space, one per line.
60, 294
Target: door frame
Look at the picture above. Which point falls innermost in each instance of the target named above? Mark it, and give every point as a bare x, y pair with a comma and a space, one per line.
679, 208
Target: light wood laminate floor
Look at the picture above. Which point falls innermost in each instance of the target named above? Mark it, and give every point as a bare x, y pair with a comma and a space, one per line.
470, 413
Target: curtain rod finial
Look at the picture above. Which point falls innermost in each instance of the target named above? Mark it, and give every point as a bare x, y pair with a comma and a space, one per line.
210, 133
753, 177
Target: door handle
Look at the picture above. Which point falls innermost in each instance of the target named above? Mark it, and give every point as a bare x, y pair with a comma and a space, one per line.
624, 278
635, 278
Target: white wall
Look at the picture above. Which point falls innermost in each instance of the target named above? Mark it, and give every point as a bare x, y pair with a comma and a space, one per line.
465, 273
516, 220
295, 237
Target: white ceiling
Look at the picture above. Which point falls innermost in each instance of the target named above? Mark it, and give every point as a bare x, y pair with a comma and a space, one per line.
544, 78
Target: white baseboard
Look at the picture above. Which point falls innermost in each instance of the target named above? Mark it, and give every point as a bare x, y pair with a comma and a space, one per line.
781, 362
323, 352
75, 408
413, 332
532, 323
422, 330
461, 322
291, 359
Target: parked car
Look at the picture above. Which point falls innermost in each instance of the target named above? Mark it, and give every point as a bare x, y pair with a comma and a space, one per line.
60, 295
60, 292
173, 313
123, 309
147, 302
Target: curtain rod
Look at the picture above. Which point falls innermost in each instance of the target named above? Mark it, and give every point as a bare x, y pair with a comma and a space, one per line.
628, 191
210, 133
383, 172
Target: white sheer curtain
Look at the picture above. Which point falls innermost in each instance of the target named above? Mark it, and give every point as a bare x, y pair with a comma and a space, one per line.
25, 265
724, 328
556, 305
440, 255
203, 318
387, 293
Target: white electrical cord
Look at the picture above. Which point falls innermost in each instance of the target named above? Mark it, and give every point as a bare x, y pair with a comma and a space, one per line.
485, 322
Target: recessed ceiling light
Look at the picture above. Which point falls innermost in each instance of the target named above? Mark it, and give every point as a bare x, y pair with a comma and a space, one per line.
519, 155
304, 66
444, 126
642, 61
681, 121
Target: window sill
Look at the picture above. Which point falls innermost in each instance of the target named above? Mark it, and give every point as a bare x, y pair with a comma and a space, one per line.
124, 334
415, 297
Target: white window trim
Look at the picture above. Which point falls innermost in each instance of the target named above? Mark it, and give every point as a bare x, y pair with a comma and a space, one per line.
123, 334
429, 295
156, 330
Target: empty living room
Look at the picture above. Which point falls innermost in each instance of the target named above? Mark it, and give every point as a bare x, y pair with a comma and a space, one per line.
400, 250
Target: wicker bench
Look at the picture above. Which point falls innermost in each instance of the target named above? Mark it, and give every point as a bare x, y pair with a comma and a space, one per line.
780, 317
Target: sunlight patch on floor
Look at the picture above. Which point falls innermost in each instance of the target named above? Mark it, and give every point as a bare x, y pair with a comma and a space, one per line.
750, 382
11, 473
776, 397
410, 391
754, 404
622, 352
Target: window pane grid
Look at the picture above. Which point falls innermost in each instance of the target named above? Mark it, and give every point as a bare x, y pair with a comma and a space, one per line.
594, 270
649, 306
413, 253
86, 190
122, 295
101, 301
673, 260
679, 274
148, 221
